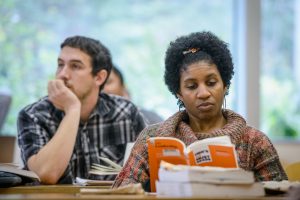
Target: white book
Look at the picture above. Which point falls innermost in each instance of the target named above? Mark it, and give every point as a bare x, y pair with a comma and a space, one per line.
207, 190
185, 173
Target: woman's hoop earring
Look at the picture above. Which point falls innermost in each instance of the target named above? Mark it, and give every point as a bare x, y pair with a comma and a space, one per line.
180, 104
224, 103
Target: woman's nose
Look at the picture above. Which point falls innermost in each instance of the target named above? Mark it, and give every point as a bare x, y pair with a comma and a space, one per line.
203, 92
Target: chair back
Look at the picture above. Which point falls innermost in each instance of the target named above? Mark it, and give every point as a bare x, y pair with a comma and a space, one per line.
293, 171
5, 101
7, 148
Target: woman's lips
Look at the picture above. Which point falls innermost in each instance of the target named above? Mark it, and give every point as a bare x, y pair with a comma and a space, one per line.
205, 106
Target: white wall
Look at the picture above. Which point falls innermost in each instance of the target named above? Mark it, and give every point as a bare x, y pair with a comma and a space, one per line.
17, 154
288, 152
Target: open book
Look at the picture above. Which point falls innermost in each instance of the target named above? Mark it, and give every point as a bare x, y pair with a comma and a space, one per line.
110, 168
217, 151
12, 175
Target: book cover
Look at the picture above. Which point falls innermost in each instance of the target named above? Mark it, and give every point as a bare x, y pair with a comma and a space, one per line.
217, 151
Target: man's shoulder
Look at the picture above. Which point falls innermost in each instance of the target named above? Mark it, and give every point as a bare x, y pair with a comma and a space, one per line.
42, 103
40, 107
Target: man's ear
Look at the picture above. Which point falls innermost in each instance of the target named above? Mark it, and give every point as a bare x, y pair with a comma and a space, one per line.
100, 77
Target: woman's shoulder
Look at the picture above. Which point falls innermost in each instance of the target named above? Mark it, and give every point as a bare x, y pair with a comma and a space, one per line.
246, 132
151, 130
256, 137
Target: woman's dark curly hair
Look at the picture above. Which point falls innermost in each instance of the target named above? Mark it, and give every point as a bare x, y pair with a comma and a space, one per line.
192, 48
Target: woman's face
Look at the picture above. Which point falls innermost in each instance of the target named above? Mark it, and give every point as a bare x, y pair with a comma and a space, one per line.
202, 91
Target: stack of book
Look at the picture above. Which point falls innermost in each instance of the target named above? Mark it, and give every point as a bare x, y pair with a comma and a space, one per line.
216, 152
208, 182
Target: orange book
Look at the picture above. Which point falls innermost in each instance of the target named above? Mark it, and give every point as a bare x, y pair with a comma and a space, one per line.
217, 152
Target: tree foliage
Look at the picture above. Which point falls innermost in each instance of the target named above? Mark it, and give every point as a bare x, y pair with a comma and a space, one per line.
137, 32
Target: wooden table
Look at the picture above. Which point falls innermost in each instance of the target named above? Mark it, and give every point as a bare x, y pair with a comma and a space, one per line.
68, 192
66, 189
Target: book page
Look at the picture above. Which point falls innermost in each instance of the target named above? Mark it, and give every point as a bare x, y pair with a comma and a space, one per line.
21, 172
111, 168
217, 151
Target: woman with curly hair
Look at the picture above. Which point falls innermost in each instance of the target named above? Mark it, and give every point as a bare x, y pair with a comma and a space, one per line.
198, 72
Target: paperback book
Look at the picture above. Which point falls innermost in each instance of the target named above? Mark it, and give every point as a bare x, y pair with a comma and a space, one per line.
217, 152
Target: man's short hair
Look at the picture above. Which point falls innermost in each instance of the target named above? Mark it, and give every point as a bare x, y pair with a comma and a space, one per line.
100, 55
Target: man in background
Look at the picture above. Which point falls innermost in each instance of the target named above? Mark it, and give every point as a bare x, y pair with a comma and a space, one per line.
116, 85
64, 133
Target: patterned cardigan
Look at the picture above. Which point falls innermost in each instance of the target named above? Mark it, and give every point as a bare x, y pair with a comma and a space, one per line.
254, 149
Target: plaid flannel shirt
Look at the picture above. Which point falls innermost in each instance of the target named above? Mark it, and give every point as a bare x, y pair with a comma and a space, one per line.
114, 122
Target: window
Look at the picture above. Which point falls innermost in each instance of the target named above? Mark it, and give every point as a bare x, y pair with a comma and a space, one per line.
137, 32
280, 69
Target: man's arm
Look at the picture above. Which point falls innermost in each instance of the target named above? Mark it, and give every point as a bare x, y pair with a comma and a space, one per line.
52, 160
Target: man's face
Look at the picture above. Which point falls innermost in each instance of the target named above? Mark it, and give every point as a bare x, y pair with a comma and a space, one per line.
75, 69
114, 85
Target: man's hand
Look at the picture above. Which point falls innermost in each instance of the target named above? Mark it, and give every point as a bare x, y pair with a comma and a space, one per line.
53, 158
61, 96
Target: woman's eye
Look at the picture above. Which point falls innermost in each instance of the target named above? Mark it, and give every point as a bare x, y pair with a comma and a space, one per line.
191, 86
211, 83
